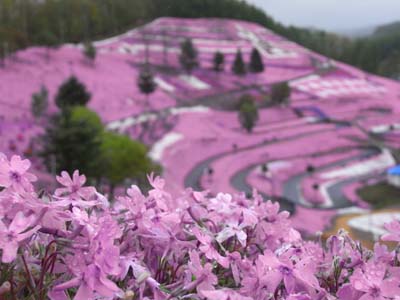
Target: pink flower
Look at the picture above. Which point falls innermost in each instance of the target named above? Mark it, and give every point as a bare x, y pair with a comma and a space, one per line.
14, 173
161, 197
207, 248
222, 203
224, 294
372, 282
74, 190
16, 232
278, 270
92, 281
394, 232
205, 279
233, 229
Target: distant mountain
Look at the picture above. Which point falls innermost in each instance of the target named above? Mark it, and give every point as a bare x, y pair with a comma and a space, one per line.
357, 32
66, 21
388, 29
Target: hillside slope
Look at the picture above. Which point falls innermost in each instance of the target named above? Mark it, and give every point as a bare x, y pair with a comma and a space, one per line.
333, 109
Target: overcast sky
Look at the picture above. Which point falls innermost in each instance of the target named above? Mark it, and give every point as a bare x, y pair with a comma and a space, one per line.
332, 14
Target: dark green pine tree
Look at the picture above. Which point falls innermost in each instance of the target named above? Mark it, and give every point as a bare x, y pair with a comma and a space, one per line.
40, 102
238, 66
256, 63
248, 113
146, 82
90, 51
280, 93
188, 56
72, 93
72, 141
219, 61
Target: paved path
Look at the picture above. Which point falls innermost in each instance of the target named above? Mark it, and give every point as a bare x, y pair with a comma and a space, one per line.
193, 178
292, 190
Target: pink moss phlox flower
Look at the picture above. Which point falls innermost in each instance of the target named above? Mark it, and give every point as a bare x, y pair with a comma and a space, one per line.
285, 270
14, 174
92, 266
394, 231
134, 202
382, 254
235, 262
207, 248
233, 229
74, 187
372, 281
194, 246
257, 283
224, 294
140, 273
348, 292
222, 204
82, 218
19, 230
205, 279
92, 284
163, 199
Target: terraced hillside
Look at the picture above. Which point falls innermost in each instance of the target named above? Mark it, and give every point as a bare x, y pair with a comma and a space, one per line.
338, 131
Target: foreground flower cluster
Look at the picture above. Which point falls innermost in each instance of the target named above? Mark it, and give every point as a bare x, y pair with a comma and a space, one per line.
76, 245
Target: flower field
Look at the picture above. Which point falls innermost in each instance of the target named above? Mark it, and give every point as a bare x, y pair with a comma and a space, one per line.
77, 244
327, 124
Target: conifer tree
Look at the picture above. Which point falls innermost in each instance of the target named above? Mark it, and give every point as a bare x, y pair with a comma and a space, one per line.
72, 142
40, 102
188, 56
72, 93
256, 63
219, 61
248, 113
146, 82
90, 51
238, 66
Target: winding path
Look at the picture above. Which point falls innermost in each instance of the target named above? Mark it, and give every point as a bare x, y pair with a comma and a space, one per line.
193, 178
291, 188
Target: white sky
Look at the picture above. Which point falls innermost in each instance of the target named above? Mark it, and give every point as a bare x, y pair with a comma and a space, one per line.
332, 14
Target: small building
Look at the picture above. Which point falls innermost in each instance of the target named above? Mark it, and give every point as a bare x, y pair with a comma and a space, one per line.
393, 176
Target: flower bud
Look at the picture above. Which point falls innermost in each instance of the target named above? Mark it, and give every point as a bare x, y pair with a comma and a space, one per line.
129, 295
5, 287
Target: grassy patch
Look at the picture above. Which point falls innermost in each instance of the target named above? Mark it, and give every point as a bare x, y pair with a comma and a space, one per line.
380, 195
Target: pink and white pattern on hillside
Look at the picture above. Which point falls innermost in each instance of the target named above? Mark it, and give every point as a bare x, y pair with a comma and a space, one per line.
337, 86
332, 109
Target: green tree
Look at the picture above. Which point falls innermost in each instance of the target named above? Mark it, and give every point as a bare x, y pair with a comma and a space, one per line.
188, 56
248, 113
256, 63
40, 102
280, 93
72, 141
3, 54
90, 51
72, 93
219, 61
390, 66
238, 66
146, 82
123, 159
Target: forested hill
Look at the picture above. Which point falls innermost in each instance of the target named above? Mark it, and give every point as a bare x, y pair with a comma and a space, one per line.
51, 22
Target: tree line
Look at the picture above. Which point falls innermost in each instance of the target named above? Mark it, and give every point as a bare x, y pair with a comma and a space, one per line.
49, 22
